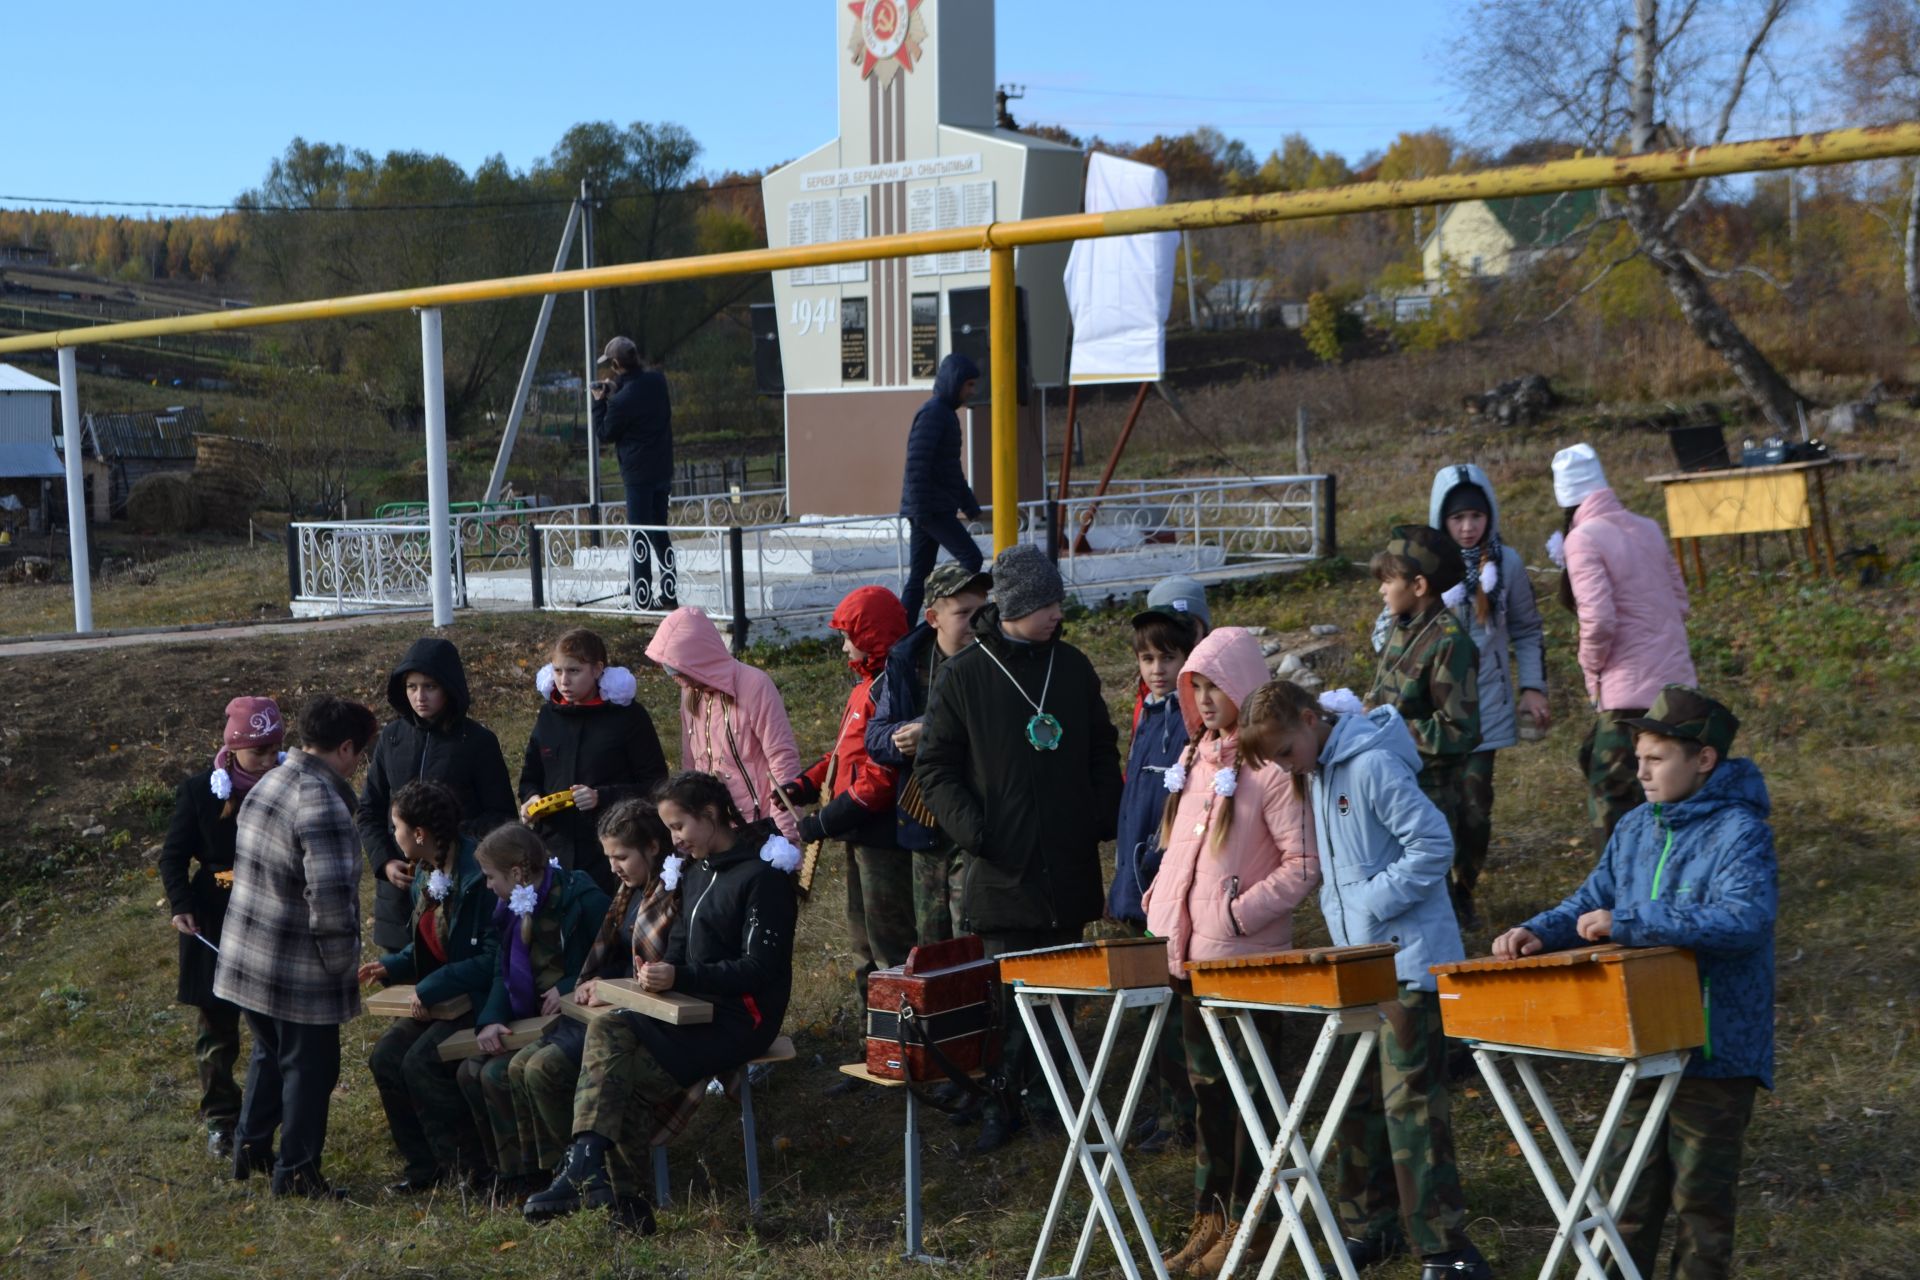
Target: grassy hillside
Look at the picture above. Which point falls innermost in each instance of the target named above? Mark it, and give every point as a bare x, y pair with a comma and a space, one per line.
105, 1170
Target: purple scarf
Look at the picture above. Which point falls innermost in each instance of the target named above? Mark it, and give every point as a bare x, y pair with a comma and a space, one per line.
242, 780
517, 957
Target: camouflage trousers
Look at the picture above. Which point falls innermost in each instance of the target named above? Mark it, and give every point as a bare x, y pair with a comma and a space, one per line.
1613, 774
1473, 823
1692, 1172
508, 1144
621, 1093
431, 1125
1442, 779
1395, 1170
1170, 1058
936, 894
879, 908
216, 1051
545, 1078
1225, 1163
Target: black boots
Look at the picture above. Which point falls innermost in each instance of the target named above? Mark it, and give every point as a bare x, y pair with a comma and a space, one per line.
581, 1182
250, 1158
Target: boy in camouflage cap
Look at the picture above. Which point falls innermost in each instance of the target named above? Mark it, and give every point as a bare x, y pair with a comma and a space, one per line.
1429, 668
1694, 867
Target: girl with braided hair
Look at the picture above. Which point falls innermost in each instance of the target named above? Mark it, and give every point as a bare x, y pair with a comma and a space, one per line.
546, 919
634, 933
451, 951
1238, 862
733, 946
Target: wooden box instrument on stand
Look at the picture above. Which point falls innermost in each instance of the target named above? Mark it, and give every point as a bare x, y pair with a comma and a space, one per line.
522, 1032
397, 1002
1314, 978
1110, 964
1626, 1002
946, 994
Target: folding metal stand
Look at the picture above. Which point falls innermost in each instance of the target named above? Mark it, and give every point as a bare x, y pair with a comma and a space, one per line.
1289, 1171
1582, 1209
1086, 1110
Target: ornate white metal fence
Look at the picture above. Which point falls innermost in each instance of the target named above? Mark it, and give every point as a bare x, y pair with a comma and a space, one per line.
790, 574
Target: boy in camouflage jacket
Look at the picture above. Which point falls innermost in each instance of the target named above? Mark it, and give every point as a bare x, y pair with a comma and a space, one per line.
1430, 668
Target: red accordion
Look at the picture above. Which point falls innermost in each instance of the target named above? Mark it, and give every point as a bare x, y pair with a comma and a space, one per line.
942, 1003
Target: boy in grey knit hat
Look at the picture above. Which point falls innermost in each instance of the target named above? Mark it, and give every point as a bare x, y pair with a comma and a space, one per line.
1019, 761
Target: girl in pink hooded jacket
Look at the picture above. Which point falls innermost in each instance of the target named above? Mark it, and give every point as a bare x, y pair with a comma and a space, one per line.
1238, 861
1623, 582
733, 723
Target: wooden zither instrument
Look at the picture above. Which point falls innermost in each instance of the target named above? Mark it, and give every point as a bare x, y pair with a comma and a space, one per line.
521, 1032
810, 852
1611, 1001
939, 1004
1314, 977
397, 1002
1109, 964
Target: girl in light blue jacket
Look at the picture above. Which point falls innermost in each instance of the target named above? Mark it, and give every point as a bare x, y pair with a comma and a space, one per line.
1384, 854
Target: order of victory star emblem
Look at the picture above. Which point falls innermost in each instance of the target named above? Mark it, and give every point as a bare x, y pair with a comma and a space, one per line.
887, 36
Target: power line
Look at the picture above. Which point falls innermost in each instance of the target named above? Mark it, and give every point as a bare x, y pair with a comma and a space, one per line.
529, 202
1276, 102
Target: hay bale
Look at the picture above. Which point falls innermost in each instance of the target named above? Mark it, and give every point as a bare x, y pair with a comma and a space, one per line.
230, 474
164, 502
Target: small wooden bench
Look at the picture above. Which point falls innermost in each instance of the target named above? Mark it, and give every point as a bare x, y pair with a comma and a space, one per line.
781, 1050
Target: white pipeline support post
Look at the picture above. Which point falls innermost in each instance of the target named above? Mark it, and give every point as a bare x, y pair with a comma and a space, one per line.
439, 508
592, 354
76, 492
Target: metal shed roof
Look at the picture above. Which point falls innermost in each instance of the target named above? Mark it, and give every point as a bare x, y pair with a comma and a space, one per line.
29, 461
15, 379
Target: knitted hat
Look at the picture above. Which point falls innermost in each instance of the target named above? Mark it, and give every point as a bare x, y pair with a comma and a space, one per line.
1433, 555
1464, 497
1681, 712
254, 722
1025, 581
1576, 474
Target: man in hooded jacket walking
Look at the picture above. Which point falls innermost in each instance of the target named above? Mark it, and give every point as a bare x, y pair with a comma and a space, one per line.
935, 488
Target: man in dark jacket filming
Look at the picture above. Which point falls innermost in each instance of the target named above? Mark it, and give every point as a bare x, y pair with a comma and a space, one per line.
1019, 761
633, 412
935, 489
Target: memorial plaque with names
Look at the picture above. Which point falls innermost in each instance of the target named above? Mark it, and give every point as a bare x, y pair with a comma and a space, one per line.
925, 336
853, 340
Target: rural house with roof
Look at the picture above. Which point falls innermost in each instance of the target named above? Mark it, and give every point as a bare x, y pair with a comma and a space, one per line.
1494, 238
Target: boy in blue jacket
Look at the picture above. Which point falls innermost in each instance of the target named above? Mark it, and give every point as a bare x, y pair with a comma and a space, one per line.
1694, 867
1385, 851
1162, 638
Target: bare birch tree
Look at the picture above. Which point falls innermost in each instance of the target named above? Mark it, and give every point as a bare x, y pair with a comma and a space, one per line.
1879, 80
1628, 75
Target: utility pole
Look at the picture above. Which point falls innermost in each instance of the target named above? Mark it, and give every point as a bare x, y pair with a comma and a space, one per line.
586, 330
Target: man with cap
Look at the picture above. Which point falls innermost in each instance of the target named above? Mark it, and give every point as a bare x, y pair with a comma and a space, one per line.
954, 594
633, 411
1018, 760
1430, 668
1623, 582
1694, 868
934, 489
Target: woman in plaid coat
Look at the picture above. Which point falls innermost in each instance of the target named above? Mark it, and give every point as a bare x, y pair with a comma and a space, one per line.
291, 940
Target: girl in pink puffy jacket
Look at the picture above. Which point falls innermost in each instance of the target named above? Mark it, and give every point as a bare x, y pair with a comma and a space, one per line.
1238, 861
1623, 582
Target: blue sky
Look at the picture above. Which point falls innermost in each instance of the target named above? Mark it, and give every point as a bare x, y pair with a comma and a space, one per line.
188, 103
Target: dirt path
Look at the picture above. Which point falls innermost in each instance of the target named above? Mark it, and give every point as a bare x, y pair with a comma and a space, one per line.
183, 635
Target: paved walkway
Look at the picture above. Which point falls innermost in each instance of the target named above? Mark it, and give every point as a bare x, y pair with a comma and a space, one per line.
189, 635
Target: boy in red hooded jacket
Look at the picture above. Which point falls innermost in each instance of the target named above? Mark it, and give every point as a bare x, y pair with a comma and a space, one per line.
858, 793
